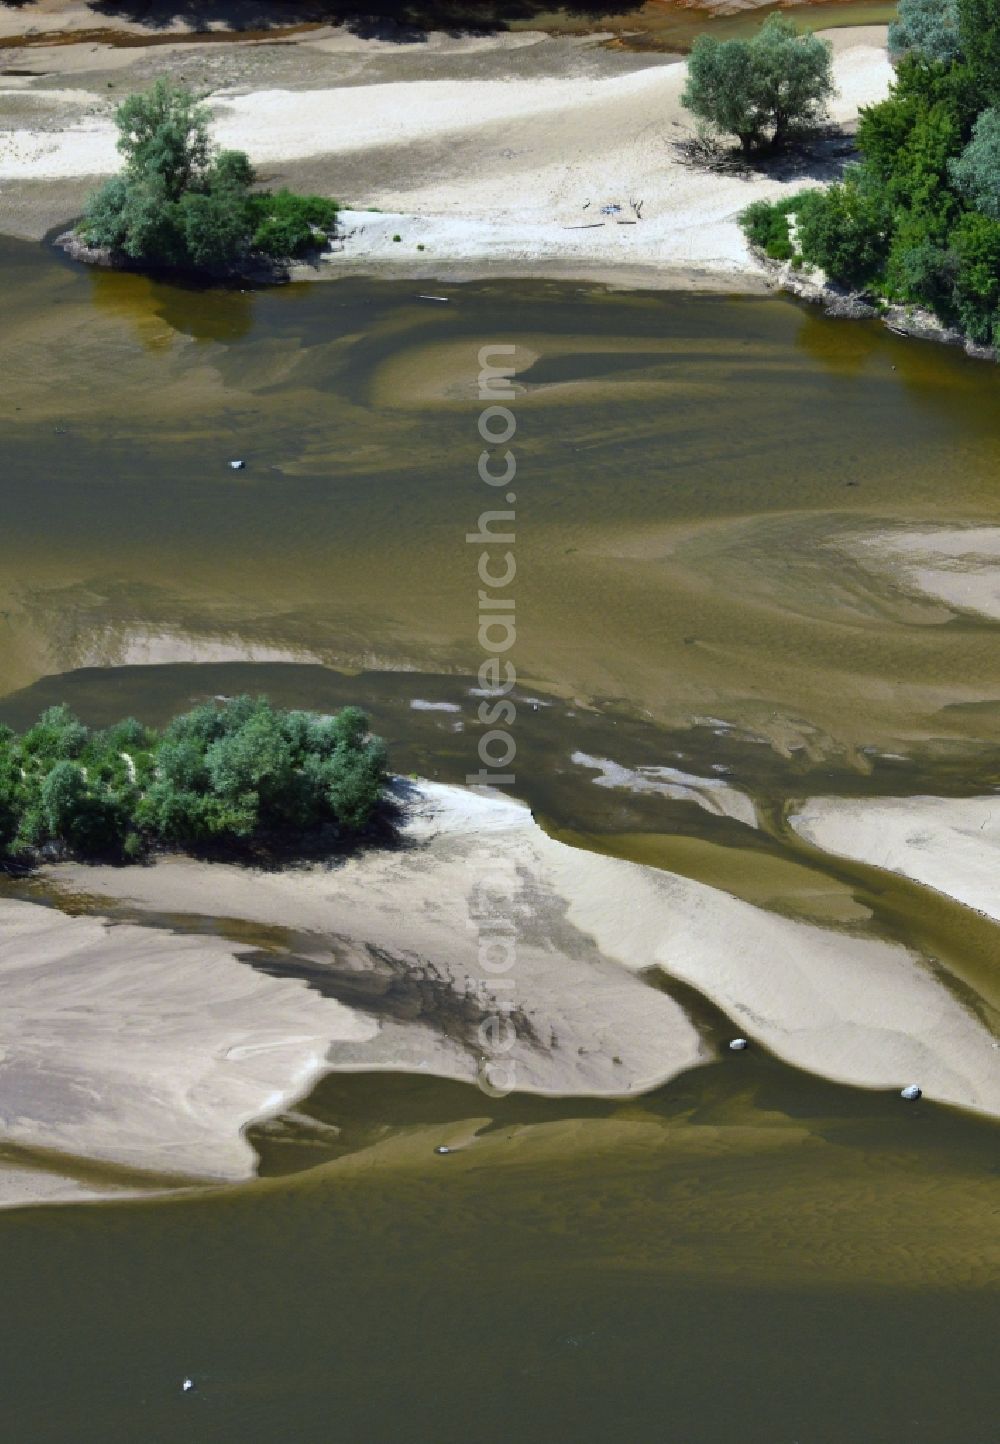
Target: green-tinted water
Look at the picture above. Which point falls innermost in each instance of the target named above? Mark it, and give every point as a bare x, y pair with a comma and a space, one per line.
749, 1252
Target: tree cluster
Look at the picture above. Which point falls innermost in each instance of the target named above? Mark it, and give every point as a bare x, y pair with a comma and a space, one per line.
181, 203
221, 774
766, 90
917, 220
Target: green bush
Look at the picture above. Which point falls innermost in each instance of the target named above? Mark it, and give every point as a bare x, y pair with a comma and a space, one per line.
182, 203
290, 225
927, 28
918, 219
976, 172
765, 224
845, 231
764, 90
217, 775
977, 284
919, 270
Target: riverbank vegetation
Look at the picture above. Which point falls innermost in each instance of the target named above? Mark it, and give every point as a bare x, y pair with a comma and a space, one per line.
221, 775
917, 220
181, 203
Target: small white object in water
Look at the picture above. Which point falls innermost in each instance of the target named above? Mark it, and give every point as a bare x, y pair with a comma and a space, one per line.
237, 465
738, 1044
187, 1385
910, 1092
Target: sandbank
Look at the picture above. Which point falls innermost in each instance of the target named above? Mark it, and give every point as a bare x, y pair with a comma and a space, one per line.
229, 990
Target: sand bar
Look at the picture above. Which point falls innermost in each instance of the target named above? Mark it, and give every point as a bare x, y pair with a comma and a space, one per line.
951, 844
153, 1047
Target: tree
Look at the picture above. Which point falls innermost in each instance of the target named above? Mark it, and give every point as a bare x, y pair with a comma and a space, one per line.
164, 132
63, 795
764, 90
976, 172
177, 202
215, 232
979, 33
977, 286
845, 230
219, 775
927, 28
182, 203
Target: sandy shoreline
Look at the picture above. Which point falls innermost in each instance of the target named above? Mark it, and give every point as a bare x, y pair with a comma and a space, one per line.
950, 844
495, 156
152, 1042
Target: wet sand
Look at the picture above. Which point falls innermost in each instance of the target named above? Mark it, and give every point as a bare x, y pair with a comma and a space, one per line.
146, 1050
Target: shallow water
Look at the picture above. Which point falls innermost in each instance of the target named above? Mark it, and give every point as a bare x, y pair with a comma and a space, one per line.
749, 1251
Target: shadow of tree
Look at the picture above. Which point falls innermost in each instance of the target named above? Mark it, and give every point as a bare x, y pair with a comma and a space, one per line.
384, 19
821, 156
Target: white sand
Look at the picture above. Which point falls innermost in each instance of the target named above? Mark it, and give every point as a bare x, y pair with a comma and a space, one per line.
959, 566
951, 844
713, 794
492, 172
145, 1049
151, 1049
852, 1008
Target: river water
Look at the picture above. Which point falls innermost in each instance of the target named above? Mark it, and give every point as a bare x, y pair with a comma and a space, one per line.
749, 1252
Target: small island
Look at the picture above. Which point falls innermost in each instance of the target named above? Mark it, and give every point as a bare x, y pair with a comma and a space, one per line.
227, 777
182, 204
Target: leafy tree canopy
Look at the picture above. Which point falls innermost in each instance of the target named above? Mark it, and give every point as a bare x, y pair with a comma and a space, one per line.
763, 90
917, 221
245, 771
927, 28
181, 202
976, 172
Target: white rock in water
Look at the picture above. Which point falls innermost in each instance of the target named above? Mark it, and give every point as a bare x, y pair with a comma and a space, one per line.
910, 1092
738, 1044
237, 465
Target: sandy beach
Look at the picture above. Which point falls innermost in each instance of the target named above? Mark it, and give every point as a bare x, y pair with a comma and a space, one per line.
951, 844
512, 154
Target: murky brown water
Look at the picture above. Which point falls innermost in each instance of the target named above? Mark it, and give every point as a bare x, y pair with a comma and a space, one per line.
748, 1252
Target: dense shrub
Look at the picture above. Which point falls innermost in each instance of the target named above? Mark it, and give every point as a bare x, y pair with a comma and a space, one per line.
977, 284
763, 90
285, 224
766, 227
928, 28
845, 230
180, 202
976, 172
218, 774
979, 33
918, 219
